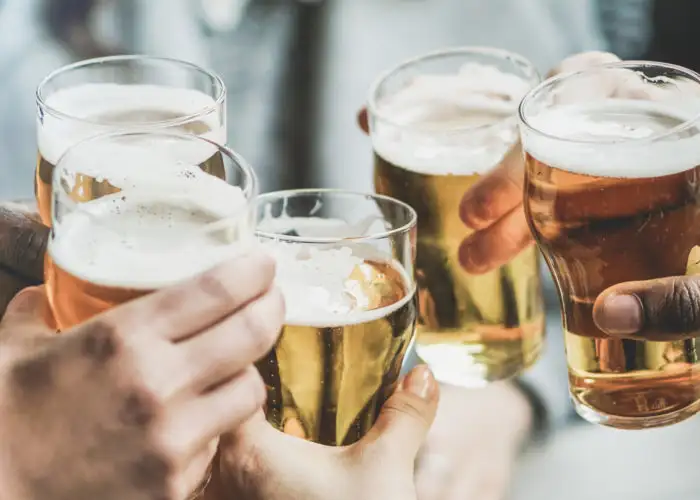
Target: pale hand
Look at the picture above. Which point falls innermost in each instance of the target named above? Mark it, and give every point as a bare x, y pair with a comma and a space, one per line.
130, 404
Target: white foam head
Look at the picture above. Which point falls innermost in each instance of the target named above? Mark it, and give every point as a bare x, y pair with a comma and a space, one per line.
462, 123
144, 239
91, 103
165, 163
624, 138
326, 285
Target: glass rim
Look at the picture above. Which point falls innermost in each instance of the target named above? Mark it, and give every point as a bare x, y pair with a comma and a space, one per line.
522, 115
372, 107
288, 193
218, 100
250, 190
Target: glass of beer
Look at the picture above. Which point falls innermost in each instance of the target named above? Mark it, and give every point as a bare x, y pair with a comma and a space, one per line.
438, 123
156, 219
124, 93
612, 194
345, 268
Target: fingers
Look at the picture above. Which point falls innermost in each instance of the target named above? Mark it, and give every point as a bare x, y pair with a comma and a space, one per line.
236, 342
496, 194
27, 314
197, 421
183, 310
407, 416
363, 120
23, 243
488, 249
663, 309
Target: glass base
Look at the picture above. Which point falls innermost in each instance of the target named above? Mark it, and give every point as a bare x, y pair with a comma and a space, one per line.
466, 365
634, 423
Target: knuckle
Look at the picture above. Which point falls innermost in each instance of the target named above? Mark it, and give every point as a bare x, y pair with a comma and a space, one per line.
100, 341
215, 286
407, 406
153, 472
33, 375
477, 207
139, 409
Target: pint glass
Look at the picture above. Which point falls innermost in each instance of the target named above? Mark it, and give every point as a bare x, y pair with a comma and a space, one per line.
158, 218
124, 93
612, 194
345, 268
437, 124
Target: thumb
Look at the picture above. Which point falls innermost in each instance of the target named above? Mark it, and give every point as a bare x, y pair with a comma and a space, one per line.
27, 313
662, 309
407, 415
363, 120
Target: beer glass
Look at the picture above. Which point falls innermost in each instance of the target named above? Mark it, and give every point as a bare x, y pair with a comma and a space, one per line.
345, 268
124, 93
437, 124
612, 195
157, 219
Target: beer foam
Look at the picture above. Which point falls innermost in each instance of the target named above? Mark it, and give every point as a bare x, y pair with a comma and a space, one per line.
94, 101
327, 285
158, 163
615, 138
461, 123
144, 239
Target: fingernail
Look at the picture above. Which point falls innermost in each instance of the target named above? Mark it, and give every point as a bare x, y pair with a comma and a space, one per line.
420, 382
621, 315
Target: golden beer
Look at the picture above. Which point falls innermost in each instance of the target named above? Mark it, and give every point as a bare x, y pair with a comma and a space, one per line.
351, 316
123, 93
612, 196
448, 119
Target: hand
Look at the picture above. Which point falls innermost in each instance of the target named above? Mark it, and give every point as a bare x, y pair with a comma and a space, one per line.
130, 403
663, 309
473, 444
23, 241
493, 207
260, 463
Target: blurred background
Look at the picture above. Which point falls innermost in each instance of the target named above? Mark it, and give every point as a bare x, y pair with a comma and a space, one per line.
297, 71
